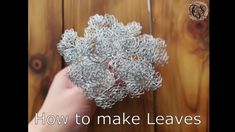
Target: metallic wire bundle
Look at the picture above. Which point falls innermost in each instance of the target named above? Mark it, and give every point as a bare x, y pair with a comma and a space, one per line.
112, 60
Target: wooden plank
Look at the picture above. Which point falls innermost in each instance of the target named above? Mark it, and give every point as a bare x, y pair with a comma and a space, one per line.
186, 78
76, 15
44, 31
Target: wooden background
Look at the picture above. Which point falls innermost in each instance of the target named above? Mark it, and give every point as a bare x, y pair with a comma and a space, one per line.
185, 88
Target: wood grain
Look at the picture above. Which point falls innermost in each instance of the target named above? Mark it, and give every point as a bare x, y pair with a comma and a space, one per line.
44, 30
185, 88
76, 15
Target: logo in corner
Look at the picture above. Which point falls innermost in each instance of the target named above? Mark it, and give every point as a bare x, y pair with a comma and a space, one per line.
198, 10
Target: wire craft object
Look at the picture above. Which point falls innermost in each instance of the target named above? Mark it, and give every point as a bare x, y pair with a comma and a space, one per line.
113, 60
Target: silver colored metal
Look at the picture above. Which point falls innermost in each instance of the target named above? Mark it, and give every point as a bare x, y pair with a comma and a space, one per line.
113, 60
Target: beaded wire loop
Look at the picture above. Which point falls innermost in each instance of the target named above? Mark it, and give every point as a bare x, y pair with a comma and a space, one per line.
112, 60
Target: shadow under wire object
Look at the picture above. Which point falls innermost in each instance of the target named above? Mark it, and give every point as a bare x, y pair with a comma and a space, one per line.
112, 60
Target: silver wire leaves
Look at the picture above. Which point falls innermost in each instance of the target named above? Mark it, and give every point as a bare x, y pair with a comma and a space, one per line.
112, 60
